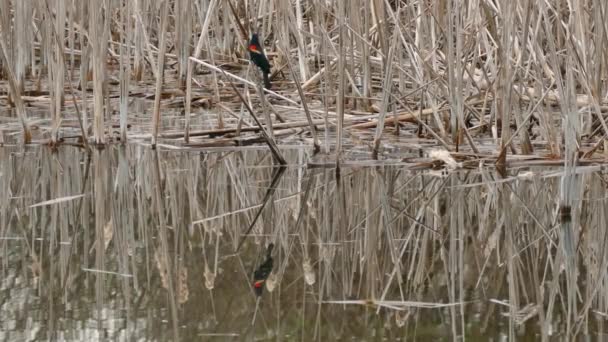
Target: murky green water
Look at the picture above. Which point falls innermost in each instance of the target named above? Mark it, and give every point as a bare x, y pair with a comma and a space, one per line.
144, 245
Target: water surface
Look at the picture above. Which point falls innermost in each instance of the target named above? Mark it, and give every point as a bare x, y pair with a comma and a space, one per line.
130, 243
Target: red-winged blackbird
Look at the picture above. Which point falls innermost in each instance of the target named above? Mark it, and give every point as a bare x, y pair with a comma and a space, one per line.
261, 274
259, 58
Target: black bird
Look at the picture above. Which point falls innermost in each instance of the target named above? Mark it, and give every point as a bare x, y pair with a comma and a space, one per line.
259, 58
261, 274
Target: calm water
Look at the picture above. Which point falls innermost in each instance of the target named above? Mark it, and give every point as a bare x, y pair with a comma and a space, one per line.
135, 244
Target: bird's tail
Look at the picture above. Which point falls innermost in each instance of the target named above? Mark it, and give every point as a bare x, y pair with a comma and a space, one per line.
269, 251
267, 84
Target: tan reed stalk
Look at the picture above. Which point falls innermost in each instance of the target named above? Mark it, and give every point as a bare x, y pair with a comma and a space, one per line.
164, 19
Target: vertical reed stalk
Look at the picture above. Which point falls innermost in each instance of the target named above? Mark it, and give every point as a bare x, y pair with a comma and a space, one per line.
341, 67
58, 66
164, 19
15, 92
183, 28
188, 109
126, 38
96, 29
386, 91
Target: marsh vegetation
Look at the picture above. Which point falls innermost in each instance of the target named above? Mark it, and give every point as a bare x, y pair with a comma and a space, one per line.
425, 169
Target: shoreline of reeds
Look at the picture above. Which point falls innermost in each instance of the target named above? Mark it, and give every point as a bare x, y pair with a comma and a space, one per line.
177, 72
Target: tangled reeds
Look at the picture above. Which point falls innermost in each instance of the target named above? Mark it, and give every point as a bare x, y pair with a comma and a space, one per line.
525, 77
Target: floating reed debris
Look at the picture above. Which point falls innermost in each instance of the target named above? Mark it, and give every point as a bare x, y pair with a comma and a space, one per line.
525, 77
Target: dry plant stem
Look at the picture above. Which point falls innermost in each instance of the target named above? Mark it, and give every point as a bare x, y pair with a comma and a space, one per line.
267, 117
313, 130
56, 38
242, 80
246, 95
96, 25
271, 143
161, 70
234, 115
347, 74
505, 77
215, 83
278, 173
84, 68
125, 68
424, 205
522, 126
183, 28
188, 109
23, 40
242, 31
386, 92
421, 123
205, 29
455, 67
295, 24
237, 130
377, 7
146, 42
164, 242
15, 91
525, 143
83, 131
341, 85
57, 65
317, 77
403, 116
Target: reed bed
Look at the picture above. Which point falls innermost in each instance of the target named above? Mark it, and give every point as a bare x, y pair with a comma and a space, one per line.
526, 77
416, 143
162, 251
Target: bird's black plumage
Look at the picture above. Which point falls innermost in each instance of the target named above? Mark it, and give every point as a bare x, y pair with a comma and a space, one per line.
261, 273
259, 58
